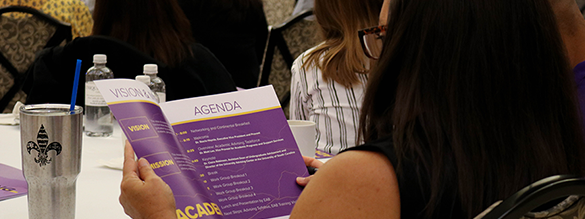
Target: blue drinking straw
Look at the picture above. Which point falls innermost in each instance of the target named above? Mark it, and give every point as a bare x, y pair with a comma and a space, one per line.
75, 84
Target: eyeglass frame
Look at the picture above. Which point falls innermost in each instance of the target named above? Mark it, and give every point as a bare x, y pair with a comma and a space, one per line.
367, 31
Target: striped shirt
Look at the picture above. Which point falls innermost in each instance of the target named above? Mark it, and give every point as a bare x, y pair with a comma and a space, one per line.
333, 107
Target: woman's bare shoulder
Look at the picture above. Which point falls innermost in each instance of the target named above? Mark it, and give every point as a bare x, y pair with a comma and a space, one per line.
356, 184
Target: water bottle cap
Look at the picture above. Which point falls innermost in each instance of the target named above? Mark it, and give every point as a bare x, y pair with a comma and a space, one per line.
150, 69
143, 78
99, 58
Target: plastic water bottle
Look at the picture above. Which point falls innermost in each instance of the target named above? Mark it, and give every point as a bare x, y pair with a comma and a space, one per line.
146, 80
157, 85
99, 121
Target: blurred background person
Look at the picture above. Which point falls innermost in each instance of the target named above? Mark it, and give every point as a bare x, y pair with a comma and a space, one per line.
328, 81
155, 27
234, 30
159, 29
74, 12
572, 27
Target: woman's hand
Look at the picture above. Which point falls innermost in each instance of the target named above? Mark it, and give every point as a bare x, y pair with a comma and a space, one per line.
144, 194
309, 162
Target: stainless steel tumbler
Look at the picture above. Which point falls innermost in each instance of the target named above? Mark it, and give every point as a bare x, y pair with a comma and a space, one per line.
51, 137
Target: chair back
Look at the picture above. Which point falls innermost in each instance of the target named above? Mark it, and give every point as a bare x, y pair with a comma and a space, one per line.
20, 39
277, 11
285, 43
543, 192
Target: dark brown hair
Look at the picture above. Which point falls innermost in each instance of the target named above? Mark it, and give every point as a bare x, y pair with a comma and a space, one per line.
341, 56
480, 101
156, 27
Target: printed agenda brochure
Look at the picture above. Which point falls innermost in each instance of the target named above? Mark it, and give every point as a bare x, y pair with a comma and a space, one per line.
229, 155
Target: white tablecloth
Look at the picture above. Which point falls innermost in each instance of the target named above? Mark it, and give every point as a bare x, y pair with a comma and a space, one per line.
98, 187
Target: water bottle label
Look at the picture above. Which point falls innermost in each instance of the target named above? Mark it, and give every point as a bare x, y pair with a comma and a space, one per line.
93, 97
162, 97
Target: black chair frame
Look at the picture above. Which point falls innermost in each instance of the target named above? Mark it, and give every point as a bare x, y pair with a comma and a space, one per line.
276, 40
537, 194
62, 32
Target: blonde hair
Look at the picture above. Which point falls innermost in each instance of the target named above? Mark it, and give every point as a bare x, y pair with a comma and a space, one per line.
341, 56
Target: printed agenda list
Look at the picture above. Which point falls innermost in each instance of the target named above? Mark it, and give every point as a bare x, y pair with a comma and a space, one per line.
226, 153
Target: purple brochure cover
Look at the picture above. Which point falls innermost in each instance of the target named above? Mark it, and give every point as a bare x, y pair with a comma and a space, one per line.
12, 182
152, 137
245, 145
229, 155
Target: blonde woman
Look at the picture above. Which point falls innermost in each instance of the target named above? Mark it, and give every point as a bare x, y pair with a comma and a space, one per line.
328, 80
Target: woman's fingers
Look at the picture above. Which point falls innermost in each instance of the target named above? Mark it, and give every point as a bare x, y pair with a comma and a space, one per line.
312, 162
303, 181
130, 167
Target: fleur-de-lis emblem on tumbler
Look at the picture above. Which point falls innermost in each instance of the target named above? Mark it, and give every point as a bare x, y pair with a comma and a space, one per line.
43, 147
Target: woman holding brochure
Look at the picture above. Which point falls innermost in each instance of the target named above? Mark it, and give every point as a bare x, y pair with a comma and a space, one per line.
453, 118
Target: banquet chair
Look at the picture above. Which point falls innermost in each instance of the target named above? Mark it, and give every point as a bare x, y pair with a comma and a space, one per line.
278, 11
544, 192
285, 43
20, 39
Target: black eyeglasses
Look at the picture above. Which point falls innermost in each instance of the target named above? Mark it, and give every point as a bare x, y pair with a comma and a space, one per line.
371, 40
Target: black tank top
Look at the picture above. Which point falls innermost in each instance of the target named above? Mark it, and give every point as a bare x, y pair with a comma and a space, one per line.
414, 190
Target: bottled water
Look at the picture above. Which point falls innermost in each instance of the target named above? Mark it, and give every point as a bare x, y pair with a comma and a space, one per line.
99, 121
157, 85
146, 80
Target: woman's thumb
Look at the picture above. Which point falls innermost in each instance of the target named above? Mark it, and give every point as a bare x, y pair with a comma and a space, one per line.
145, 170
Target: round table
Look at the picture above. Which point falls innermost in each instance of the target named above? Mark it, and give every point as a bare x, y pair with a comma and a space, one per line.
98, 187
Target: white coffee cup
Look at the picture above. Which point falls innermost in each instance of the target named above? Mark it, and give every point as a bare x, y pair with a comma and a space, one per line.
304, 134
